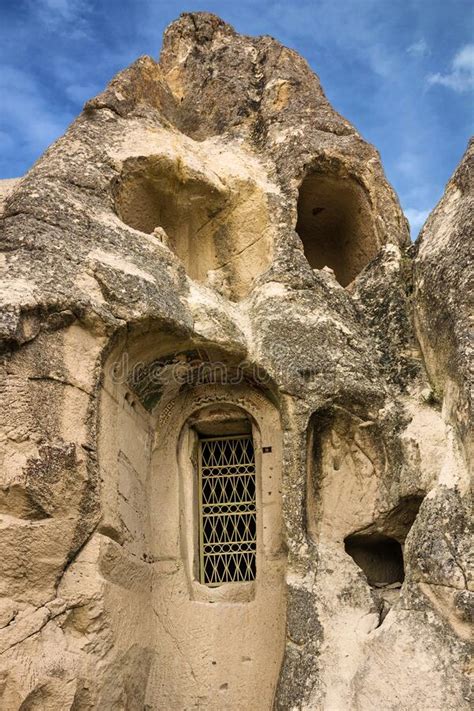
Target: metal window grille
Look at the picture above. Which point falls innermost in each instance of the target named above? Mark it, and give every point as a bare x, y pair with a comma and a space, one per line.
227, 509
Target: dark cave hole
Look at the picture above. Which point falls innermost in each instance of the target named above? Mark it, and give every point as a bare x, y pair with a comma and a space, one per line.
378, 556
335, 225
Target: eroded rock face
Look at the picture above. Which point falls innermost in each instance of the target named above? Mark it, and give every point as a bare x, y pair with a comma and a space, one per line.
212, 250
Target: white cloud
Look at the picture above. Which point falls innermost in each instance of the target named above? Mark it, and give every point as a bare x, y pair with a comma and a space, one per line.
25, 112
419, 48
461, 76
70, 17
464, 59
410, 164
416, 218
68, 10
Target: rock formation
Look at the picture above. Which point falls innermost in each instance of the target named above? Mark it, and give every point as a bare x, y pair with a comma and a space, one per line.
211, 248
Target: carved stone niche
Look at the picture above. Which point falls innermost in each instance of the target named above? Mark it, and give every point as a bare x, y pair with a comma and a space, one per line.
222, 644
336, 223
346, 462
218, 228
346, 509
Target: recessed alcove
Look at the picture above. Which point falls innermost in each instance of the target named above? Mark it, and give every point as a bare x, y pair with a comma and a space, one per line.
179, 450
380, 557
347, 462
152, 194
379, 550
335, 224
217, 228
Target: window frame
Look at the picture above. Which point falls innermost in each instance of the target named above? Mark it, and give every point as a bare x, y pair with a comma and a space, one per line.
248, 511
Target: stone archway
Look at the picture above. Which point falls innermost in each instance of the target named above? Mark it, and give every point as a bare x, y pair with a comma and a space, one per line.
222, 645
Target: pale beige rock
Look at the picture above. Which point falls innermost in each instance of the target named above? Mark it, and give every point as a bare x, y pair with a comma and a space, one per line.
211, 215
7, 186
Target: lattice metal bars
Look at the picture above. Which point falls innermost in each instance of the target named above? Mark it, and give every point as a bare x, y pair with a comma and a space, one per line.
227, 510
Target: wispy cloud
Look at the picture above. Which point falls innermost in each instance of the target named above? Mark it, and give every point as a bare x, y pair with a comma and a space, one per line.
460, 78
26, 107
416, 218
419, 48
26, 115
410, 164
70, 17
364, 37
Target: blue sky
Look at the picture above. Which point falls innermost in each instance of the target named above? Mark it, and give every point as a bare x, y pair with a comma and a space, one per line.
401, 70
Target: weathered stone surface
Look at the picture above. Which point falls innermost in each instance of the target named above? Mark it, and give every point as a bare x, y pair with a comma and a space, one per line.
443, 294
211, 208
6, 187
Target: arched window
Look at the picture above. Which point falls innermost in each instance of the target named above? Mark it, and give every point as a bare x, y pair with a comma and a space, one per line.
227, 509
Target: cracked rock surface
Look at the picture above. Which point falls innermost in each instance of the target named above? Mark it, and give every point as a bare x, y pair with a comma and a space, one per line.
213, 206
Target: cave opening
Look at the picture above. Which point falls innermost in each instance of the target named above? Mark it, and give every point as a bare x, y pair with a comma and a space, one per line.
379, 556
379, 551
335, 225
